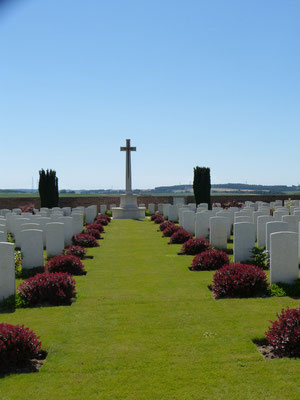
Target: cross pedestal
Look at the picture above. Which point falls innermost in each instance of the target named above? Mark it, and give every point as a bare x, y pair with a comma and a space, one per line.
128, 202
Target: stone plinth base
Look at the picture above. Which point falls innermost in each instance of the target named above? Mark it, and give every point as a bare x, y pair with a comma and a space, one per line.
128, 213
128, 208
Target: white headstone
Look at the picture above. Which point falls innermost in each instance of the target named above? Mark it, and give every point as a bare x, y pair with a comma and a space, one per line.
272, 227
151, 208
160, 208
17, 229
32, 248
202, 225
77, 223
284, 264
7, 270
68, 229
243, 241
55, 239
3, 228
67, 211
218, 232
3, 236
172, 213
102, 208
226, 214
42, 221
90, 214
166, 209
243, 218
278, 214
293, 222
261, 229
188, 221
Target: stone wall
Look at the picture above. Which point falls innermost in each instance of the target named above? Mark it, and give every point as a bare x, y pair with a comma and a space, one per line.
14, 202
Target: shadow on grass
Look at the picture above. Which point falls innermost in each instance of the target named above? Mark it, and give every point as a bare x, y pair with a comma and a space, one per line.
29, 272
27, 367
8, 305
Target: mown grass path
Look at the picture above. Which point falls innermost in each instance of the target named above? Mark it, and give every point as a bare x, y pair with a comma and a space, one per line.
146, 328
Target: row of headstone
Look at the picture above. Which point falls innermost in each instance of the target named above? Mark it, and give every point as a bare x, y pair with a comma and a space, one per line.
48, 228
249, 224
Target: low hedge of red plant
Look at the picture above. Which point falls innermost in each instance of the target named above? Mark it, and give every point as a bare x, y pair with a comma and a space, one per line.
65, 263
93, 232
159, 219
95, 225
209, 260
180, 236
18, 345
102, 219
231, 203
28, 208
195, 246
77, 251
155, 216
55, 288
239, 280
164, 225
84, 240
284, 334
170, 229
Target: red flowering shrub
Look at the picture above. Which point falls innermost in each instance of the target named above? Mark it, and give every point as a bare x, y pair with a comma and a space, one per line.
170, 229
95, 225
18, 345
284, 334
93, 232
209, 260
77, 251
164, 225
180, 236
28, 208
65, 263
84, 240
239, 280
102, 219
154, 216
51, 288
195, 246
159, 219
231, 203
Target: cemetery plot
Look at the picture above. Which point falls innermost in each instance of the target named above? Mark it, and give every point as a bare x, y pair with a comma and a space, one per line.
145, 326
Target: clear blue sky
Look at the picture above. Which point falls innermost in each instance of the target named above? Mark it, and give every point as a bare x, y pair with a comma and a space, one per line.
212, 83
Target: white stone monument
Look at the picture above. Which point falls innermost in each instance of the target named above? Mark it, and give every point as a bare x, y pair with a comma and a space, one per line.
243, 241
284, 265
55, 238
7, 270
32, 248
128, 202
218, 232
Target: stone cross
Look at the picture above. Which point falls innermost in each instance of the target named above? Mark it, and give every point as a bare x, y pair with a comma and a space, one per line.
128, 149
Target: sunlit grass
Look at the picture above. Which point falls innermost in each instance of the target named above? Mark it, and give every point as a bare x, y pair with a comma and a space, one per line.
146, 328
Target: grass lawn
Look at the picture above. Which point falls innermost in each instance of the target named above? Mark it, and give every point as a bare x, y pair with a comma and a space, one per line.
146, 328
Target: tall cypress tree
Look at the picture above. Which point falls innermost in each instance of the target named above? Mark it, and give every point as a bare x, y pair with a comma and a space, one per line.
202, 186
48, 188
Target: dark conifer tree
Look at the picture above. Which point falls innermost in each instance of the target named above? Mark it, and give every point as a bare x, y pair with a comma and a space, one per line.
202, 186
48, 188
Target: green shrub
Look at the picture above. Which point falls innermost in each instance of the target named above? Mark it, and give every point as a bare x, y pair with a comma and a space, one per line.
284, 289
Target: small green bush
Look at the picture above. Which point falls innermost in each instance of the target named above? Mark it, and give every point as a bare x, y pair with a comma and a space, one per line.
284, 289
